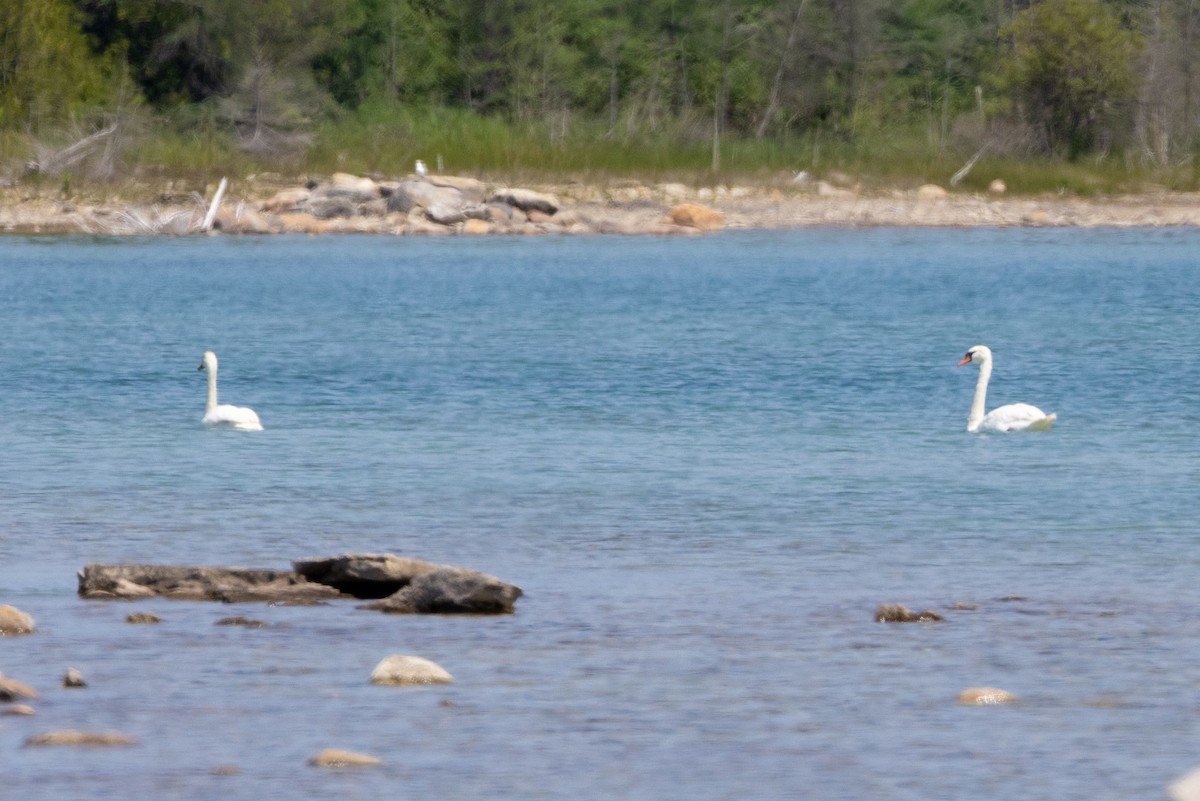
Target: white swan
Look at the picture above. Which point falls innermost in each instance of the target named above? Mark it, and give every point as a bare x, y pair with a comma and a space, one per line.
1014, 416
238, 417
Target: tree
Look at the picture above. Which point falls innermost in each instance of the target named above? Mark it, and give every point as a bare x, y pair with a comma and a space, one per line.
1071, 71
47, 72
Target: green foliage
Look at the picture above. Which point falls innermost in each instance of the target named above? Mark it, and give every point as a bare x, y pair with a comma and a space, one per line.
48, 75
1072, 66
711, 86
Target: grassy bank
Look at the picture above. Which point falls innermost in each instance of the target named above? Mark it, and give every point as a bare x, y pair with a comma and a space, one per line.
187, 154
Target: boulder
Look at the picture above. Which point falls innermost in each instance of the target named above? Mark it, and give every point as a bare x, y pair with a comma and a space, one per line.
352, 187
473, 227
14, 621
229, 584
694, 215
73, 678
526, 200
327, 207
931, 192
446, 213
452, 590
336, 758
1185, 788
403, 670
408, 195
473, 191
997, 187
363, 575
143, 617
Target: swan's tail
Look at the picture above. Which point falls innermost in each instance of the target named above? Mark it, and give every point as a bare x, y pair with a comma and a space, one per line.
1043, 424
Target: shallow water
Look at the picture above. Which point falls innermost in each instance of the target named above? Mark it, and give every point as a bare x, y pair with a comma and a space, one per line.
706, 461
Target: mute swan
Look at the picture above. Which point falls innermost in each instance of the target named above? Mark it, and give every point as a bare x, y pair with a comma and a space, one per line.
238, 417
1014, 416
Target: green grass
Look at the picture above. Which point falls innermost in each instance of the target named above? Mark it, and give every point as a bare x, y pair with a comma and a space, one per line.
191, 151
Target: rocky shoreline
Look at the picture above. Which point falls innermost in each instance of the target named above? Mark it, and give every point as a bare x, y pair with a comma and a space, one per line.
452, 205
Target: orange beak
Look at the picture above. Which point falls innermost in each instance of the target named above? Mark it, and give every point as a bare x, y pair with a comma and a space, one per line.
965, 360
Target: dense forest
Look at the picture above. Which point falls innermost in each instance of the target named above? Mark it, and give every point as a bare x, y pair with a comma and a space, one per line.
364, 84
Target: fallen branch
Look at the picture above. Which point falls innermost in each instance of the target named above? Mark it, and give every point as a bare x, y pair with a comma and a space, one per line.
958, 176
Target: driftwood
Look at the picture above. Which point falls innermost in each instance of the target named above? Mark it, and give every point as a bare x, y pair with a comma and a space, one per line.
397, 584
60, 160
216, 204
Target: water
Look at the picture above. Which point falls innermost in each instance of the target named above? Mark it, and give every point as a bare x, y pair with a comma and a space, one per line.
706, 461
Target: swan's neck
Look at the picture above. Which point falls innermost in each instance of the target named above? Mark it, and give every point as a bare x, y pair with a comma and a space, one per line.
212, 390
980, 399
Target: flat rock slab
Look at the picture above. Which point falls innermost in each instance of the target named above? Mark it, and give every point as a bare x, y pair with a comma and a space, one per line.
398, 584
228, 584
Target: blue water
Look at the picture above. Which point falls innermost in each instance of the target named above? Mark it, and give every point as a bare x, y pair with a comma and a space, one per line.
706, 461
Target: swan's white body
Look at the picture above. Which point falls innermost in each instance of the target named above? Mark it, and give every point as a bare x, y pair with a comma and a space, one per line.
1013, 417
238, 417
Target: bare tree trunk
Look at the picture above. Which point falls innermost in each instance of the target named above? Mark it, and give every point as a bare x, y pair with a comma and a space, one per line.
773, 100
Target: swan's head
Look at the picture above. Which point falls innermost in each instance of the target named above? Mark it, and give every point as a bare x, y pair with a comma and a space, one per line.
978, 355
209, 362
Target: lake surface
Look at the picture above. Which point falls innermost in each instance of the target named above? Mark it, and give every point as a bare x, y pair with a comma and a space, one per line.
706, 461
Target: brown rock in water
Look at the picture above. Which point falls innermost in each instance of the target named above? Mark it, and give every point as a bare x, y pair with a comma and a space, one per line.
336, 758
142, 617
406, 585
23, 710
13, 621
985, 696
12, 690
73, 678
363, 575
81, 738
693, 215
405, 670
229, 584
452, 590
896, 613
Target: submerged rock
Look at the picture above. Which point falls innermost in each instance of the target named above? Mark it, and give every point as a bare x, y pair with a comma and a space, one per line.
985, 695
336, 758
81, 738
897, 613
73, 678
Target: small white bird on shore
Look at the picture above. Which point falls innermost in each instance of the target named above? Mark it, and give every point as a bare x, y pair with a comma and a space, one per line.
240, 418
420, 168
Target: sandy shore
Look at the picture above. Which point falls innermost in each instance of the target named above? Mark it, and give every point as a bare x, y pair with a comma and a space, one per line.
631, 208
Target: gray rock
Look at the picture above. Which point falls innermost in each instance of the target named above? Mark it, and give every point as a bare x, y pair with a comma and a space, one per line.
408, 195
452, 590
327, 207
229, 584
363, 575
